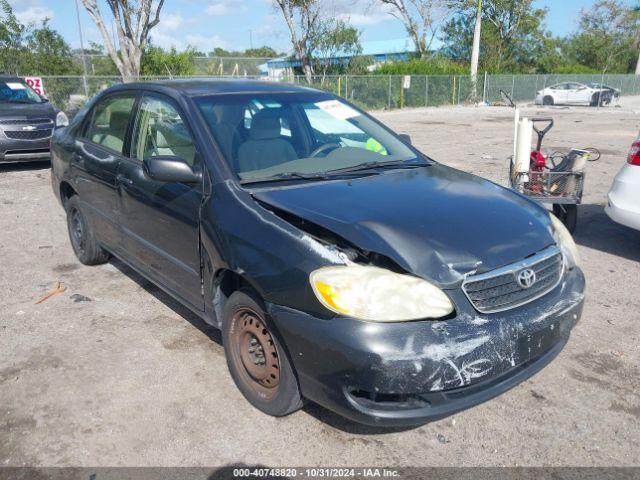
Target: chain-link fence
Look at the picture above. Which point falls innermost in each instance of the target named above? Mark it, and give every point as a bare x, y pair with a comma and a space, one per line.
375, 92
103, 65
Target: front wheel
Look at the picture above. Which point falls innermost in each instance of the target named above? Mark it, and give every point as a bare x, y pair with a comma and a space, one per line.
568, 215
256, 359
82, 236
548, 100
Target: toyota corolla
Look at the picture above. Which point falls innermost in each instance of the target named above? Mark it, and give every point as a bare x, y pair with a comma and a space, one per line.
342, 265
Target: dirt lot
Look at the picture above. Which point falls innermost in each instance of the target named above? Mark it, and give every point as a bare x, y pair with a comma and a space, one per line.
114, 372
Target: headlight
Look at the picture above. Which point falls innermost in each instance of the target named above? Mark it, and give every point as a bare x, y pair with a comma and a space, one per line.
565, 241
62, 120
376, 294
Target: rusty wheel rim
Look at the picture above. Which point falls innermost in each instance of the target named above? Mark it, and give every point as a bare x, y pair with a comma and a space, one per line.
257, 351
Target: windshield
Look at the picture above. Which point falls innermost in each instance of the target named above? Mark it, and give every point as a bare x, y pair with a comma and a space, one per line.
18, 91
266, 135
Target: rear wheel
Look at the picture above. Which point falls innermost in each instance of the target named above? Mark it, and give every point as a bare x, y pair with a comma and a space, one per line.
82, 236
548, 100
568, 215
597, 98
256, 359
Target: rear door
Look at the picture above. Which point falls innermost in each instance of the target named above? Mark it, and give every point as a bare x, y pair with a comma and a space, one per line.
98, 151
160, 221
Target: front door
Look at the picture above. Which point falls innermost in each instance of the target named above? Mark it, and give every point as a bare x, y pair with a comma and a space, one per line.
578, 93
98, 152
160, 221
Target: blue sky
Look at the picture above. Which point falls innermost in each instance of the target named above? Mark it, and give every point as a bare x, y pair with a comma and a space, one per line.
231, 24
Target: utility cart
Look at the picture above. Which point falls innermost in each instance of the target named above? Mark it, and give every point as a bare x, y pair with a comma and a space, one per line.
556, 180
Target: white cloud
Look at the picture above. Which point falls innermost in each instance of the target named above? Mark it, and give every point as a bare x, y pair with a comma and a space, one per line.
170, 22
224, 7
207, 43
33, 14
361, 19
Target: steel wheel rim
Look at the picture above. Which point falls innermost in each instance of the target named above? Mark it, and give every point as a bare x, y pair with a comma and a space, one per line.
77, 229
256, 349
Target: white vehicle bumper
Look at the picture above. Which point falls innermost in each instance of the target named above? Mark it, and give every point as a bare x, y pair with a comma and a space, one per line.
624, 197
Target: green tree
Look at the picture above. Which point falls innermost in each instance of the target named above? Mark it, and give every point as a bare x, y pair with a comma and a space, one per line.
608, 39
31, 49
340, 40
156, 61
11, 38
421, 19
512, 34
262, 52
50, 54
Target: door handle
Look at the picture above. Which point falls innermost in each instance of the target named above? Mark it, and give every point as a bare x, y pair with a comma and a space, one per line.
124, 180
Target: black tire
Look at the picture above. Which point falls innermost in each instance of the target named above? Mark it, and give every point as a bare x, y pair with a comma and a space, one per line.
596, 98
548, 100
568, 215
82, 236
270, 386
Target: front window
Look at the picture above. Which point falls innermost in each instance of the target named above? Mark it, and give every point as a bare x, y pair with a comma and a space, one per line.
266, 135
17, 91
160, 131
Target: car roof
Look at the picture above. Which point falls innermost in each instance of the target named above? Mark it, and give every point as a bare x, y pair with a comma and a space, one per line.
10, 78
198, 87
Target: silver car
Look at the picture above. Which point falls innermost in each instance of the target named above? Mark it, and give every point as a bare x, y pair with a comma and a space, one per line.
27, 121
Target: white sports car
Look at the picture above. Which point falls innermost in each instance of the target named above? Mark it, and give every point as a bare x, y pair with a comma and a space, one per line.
624, 197
572, 93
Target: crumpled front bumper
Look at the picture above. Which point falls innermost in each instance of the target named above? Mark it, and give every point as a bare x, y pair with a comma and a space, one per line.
413, 372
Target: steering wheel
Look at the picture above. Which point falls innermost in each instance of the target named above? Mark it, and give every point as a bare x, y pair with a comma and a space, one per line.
322, 148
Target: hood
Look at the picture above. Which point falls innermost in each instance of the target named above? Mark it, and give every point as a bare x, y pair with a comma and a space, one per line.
435, 222
26, 110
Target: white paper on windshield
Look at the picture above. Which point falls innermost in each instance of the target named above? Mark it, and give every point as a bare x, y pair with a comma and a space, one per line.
15, 86
337, 109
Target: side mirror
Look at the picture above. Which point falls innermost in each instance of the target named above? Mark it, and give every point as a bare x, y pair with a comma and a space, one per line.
170, 169
406, 138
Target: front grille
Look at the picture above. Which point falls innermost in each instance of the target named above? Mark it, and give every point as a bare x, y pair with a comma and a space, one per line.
26, 121
28, 134
500, 290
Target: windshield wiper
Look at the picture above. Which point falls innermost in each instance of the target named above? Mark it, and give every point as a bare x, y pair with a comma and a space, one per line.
279, 177
374, 165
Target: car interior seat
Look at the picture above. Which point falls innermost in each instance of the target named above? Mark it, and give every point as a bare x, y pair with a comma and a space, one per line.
171, 140
114, 138
224, 121
265, 147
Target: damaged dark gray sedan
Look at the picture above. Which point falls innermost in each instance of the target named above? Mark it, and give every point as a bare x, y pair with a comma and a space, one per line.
342, 265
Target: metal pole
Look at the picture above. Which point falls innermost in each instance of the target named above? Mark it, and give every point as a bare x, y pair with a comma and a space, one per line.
600, 90
389, 95
84, 60
513, 86
484, 92
426, 90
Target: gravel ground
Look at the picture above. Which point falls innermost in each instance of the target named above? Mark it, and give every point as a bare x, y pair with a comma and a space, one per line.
113, 372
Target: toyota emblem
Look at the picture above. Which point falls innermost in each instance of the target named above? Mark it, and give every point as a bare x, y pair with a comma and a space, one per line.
526, 278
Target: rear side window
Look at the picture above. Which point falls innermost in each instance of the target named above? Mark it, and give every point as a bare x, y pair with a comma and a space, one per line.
161, 131
109, 120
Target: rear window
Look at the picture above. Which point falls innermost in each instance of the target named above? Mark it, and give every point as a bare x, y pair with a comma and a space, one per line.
109, 120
